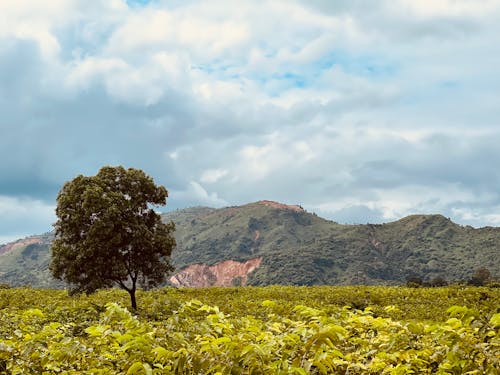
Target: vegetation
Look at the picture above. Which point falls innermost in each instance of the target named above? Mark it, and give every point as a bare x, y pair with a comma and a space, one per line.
22, 268
481, 277
108, 235
300, 248
278, 330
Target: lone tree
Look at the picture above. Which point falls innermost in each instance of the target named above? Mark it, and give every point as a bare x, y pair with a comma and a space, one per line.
108, 235
480, 277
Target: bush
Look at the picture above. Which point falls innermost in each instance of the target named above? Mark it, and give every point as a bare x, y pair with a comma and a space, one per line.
438, 281
414, 282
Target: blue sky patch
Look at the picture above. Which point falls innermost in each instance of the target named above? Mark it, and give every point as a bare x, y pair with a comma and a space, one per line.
133, 3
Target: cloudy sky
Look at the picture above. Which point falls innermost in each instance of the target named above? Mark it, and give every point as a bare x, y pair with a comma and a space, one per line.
359, 110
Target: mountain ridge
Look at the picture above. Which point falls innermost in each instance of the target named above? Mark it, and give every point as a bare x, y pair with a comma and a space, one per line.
294, 247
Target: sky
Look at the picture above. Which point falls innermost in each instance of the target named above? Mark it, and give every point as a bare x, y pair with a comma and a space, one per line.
358, 110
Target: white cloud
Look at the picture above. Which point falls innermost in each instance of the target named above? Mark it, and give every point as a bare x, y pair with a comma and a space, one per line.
18, 207
258, 162
352, 107
163, 28
22, 216
476, 217
436, 8
90, 70
199, 195
213, 175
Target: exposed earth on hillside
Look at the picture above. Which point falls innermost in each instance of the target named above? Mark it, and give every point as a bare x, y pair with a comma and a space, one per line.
226, 273
21, 244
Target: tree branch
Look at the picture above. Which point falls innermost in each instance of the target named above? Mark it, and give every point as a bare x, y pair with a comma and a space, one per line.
122, 284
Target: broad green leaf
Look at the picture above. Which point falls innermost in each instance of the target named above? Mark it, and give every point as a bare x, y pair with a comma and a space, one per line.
136, 368
495, 320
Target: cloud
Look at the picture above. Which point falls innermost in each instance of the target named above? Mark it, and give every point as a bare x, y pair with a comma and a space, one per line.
356, 214
213, 175
21, 217
362, 111
199, 196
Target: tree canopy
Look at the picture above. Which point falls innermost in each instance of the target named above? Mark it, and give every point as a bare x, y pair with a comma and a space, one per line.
108, 234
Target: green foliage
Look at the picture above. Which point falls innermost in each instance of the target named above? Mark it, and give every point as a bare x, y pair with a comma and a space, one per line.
21, 267
107, 234
299, 248
481, 277
255, 331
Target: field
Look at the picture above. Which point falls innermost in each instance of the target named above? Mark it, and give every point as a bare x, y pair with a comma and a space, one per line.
270, 330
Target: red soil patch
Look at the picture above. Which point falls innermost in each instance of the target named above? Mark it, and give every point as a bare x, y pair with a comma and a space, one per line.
281, 206
220, 274
14, 245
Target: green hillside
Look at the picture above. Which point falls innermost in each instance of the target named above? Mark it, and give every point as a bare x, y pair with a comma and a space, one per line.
295, 247
303, 249
240, 233
25, 263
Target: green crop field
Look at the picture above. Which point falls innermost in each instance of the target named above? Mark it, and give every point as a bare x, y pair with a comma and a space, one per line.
269, 330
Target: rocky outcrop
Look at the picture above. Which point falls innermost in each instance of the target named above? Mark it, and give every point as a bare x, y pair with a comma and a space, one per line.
282, 206
226, 273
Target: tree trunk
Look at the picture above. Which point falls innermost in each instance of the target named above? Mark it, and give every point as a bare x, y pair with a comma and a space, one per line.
130, 291
132, 299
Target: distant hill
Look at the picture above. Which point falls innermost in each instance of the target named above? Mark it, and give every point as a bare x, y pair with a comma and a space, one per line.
26, 261
267, 242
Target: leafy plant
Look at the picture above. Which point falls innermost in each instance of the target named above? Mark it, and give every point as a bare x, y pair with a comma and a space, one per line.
254, 331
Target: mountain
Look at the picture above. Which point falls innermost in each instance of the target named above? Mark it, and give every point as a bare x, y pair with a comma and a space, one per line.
26, 262
267, 242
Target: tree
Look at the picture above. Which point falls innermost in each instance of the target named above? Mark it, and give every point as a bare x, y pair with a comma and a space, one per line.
107, 233
414, 282
438, 281
480, 277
